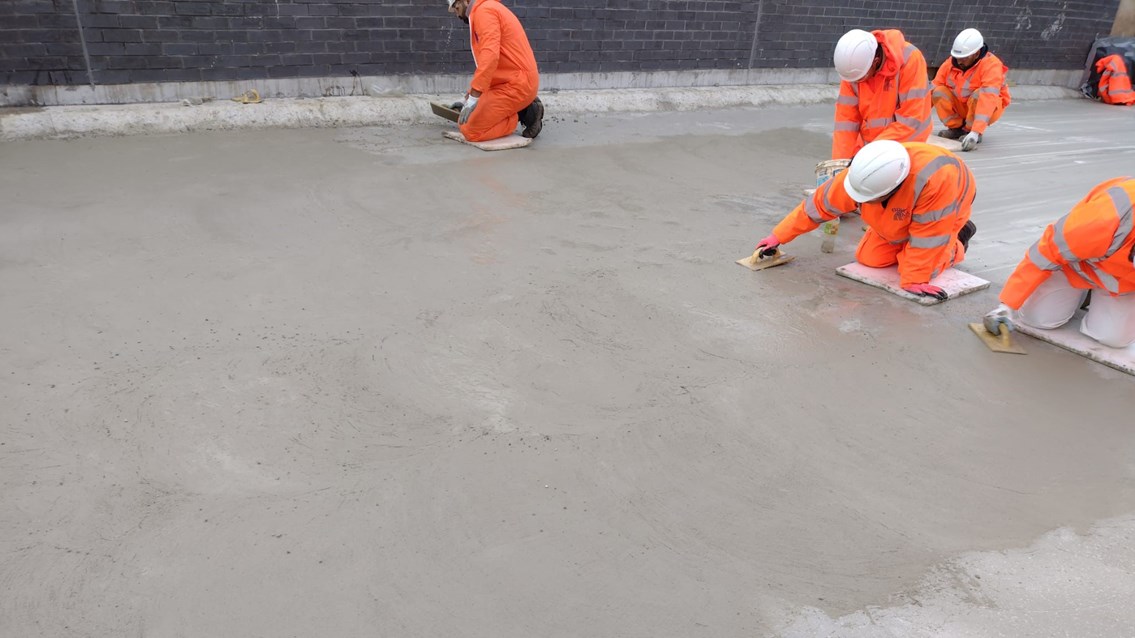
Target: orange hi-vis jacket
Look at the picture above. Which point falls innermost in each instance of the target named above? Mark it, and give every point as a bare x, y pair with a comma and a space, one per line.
892, 104
924, 213
985, 80
1092, 245
1115, 84
500, 49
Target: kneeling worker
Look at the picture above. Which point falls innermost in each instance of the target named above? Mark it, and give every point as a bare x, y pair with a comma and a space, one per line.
915, 199
883, 95
1092, 248
504, 86
969, 90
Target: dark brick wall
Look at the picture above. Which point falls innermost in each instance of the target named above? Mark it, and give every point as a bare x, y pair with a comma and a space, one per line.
193, 40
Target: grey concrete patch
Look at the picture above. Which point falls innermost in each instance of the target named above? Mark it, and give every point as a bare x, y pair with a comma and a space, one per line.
368, 381
1065, 584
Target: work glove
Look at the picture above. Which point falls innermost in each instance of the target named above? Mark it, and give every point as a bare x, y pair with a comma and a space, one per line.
927, 290
767, 246
970, 141
1001, 316
467, 109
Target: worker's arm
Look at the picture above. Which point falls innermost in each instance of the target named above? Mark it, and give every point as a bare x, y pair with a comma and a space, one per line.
845, 137
912, 117
990, 76
828, 202
1053, 251
486, 49
932, 223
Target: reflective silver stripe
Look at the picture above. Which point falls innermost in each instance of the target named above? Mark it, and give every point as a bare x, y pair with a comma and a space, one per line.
907, 51
1061, 242
1120, 91
932, 216
847, 126
988, 89
928, 171
811, 210
899, 241
854, 88
1122, 203
913, 94
925, 126
879, 122
942, 90
847, 100
966, 92
1109, 282
1039, 260
1079, 269
936, 241
982, 118
909, 121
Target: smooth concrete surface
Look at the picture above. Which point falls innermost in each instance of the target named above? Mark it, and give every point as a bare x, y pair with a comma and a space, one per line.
194, 115
369, 382
398, 85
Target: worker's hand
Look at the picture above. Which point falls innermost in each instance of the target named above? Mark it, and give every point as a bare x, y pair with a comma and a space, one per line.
970, 141
467, 109
767, 246
1001, 316
927, 290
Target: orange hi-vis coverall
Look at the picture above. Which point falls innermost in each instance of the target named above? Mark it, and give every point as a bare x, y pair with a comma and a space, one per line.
917, 227
891, 104
1092, 245
506, 74
1115, 83
974, 98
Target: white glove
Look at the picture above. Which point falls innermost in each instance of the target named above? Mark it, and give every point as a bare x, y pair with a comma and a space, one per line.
1002, 315
467, 110
970, 141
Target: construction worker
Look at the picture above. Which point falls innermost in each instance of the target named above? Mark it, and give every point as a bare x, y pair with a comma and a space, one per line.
969, 90
504, 86
915, 199
1115, 83
884, 94
1088, 251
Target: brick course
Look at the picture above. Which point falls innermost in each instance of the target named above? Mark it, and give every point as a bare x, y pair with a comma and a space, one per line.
196, 40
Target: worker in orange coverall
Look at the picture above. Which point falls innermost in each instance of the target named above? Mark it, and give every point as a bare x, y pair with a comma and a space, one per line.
1088, 251
884, 95
504, 86
915, 199
970, 91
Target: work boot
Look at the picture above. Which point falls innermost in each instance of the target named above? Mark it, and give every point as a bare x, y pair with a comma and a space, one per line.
952, 133
532, 117
966, 233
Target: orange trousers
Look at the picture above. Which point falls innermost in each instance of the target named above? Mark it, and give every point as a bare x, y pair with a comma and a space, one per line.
876, 252
496, 112
956, 113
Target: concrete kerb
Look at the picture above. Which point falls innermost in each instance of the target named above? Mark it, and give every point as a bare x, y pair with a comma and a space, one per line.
134, 119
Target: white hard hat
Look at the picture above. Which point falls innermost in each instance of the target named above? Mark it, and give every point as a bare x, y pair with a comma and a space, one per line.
854, 54
876, 170
967, 43
451, 3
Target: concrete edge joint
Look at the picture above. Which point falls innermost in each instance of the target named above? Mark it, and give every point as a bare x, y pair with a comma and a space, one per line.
381, 103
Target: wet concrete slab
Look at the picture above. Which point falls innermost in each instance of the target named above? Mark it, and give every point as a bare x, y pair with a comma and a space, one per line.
364, 381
